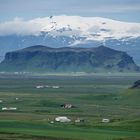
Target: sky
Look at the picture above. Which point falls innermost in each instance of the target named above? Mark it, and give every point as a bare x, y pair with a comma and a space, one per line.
123, 10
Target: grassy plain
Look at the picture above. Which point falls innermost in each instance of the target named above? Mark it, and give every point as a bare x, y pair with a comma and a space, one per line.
94, 96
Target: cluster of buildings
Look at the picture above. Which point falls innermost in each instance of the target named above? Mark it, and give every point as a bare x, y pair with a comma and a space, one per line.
47, 86
62, 119
8, 108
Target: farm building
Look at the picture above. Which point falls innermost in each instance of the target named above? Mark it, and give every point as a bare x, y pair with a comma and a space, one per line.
9, 108
78, 120
67, 106
39, 86
55, 87
62, 119
105, 120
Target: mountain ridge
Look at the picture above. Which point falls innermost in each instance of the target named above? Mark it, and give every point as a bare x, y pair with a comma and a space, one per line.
66, 59
46, 48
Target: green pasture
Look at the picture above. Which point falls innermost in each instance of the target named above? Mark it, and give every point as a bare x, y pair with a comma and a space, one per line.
94, 96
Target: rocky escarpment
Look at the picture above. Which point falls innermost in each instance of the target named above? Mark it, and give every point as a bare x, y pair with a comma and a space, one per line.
45, 59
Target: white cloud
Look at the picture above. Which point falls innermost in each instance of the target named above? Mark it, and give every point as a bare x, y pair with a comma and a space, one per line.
21, 27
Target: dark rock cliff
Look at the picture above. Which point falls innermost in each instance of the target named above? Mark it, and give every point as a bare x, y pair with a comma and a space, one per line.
45, 59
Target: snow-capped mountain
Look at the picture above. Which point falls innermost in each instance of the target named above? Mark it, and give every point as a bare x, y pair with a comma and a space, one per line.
91, 28
60, 31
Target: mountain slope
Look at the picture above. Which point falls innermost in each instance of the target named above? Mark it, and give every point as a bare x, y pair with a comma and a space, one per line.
136, 85
67, 59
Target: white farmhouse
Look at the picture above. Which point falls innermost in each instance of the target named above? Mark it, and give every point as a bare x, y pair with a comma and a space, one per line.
62, 119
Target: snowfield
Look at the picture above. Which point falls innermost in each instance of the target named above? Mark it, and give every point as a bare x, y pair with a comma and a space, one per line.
91, 28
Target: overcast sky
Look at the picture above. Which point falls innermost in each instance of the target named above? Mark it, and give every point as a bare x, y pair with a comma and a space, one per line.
124, 10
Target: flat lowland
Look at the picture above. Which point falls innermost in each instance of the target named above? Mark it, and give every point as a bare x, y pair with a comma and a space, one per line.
38, 101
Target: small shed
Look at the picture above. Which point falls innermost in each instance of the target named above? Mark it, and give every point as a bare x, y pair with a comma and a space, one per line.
68, 106
105, 120
78, 120
39, 86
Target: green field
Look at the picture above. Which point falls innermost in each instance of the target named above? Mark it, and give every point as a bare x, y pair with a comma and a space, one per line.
94, 96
